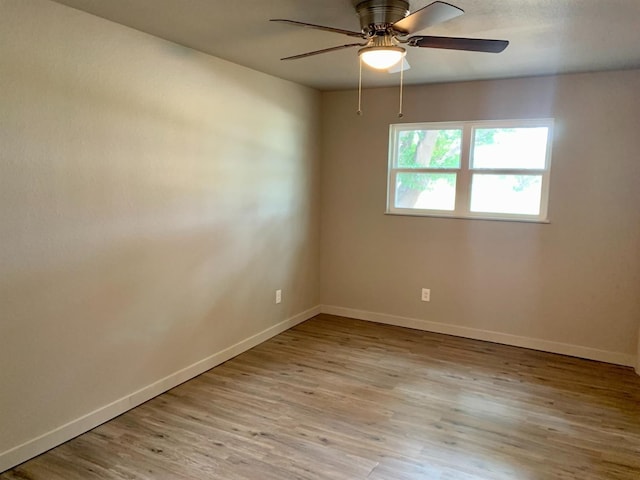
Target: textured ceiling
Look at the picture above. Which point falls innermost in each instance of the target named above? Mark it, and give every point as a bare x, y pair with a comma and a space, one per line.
547, 36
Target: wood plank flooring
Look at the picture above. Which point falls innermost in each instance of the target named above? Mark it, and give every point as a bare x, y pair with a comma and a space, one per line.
342, 399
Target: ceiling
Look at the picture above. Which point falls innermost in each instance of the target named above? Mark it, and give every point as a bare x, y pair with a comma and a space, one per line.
547, 37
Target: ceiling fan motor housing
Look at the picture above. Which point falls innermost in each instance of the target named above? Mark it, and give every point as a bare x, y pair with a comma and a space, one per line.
377, 15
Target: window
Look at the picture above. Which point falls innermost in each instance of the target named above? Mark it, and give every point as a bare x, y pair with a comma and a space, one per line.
485, 169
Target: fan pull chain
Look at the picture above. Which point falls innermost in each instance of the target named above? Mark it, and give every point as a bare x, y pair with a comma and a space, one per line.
359, 112
400, 114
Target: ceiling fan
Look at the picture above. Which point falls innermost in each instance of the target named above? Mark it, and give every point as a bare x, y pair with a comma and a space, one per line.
385, 25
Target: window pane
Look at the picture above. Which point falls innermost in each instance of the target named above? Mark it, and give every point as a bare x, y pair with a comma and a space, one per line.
430, 191
519, 194
510, 147
429, 148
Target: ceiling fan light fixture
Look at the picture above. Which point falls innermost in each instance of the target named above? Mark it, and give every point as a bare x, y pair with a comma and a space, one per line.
381, 58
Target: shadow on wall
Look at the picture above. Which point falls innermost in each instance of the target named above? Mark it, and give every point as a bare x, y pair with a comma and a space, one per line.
137, 308
151, 204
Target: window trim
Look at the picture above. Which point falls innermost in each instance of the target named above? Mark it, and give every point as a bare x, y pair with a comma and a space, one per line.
464, 174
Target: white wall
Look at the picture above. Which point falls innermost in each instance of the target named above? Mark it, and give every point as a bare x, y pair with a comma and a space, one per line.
568, 286
152, 198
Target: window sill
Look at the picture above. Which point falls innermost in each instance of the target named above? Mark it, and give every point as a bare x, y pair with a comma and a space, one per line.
453, 217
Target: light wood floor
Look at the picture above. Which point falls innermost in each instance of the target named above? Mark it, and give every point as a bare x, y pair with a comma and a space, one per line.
343, 399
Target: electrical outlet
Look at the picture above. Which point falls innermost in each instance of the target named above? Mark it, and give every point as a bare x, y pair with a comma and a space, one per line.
426, 294
278, 296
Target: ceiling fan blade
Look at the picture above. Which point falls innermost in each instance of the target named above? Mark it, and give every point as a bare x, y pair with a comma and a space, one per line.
432, 14
324, 50
401, 66
453, 43
319, 27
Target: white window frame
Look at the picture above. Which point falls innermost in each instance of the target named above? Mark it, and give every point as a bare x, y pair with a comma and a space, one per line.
465, 173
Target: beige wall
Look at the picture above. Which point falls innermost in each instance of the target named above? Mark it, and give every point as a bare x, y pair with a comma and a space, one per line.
573, 281
152, 199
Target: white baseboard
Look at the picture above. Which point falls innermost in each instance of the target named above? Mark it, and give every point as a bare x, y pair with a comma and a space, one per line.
487, 335
38, 445
638, 357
